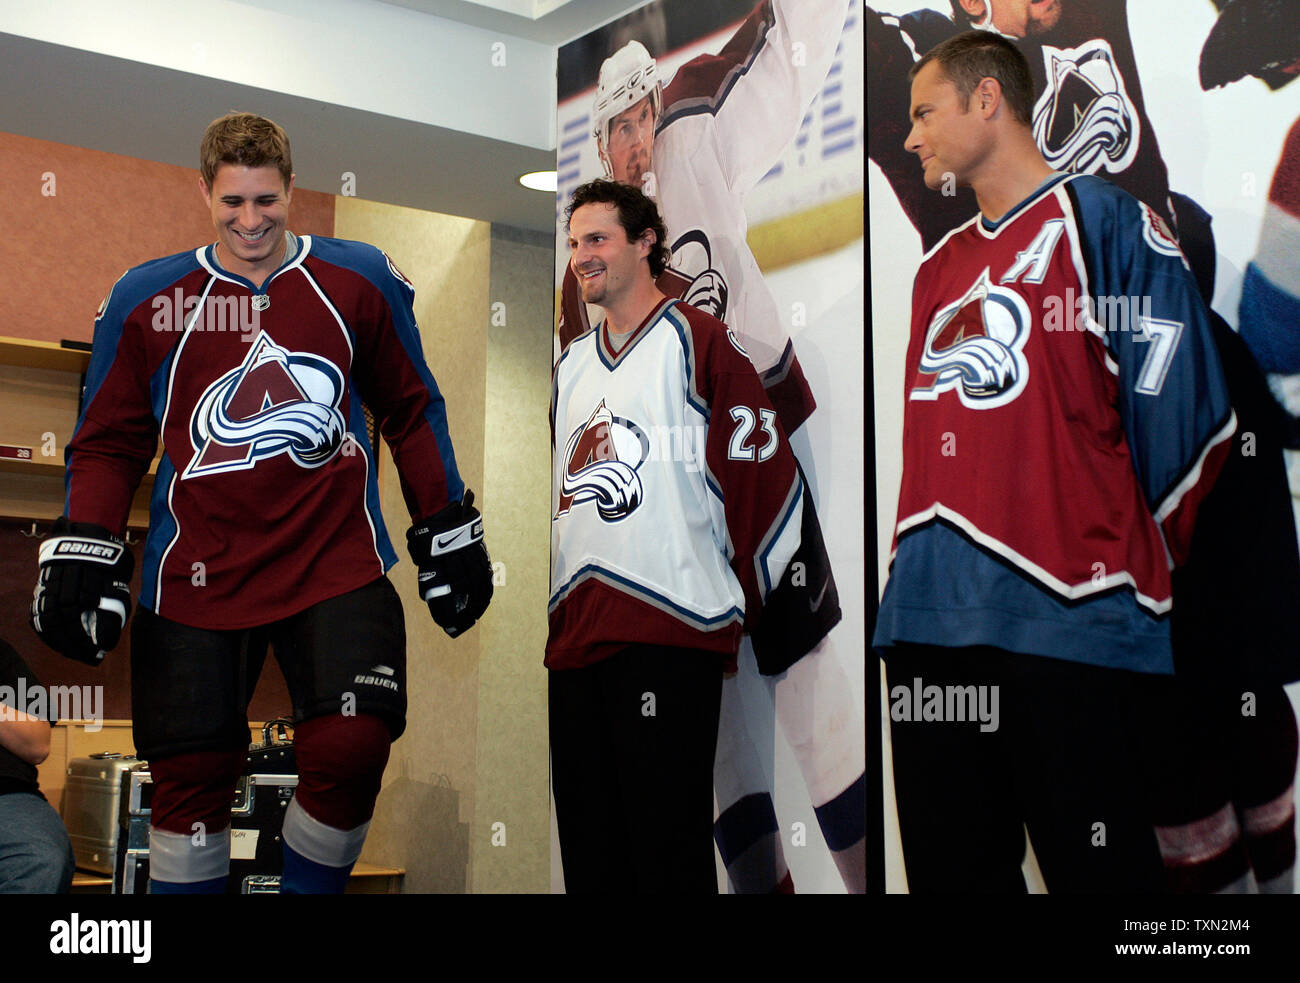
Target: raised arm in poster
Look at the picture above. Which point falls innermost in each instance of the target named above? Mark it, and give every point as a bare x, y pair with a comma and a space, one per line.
696, 104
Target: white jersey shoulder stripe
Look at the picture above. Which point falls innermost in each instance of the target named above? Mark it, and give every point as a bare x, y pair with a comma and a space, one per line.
1088, 314
780, 541
175, 356
948, 235
1171, 501
687, 338
347, 337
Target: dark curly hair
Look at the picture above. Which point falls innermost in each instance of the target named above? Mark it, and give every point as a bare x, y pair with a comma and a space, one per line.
636, 213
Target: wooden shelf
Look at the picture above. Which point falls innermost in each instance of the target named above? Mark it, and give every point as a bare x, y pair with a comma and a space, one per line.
13, 465
42, 355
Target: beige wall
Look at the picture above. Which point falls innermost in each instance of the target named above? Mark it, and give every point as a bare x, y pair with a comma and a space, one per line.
513, 763
83, 217
424, 819
474, 754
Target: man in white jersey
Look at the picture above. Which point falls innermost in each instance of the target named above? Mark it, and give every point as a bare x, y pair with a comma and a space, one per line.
676, 509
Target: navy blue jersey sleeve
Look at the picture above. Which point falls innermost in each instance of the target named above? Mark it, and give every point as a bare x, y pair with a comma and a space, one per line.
116, 434
1171, 391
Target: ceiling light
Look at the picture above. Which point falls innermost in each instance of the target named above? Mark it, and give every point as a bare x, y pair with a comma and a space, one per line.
538, 181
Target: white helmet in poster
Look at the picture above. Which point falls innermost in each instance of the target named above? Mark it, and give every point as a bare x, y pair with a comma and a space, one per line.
626, 77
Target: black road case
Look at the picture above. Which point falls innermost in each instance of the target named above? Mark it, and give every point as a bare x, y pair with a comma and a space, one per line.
257, 817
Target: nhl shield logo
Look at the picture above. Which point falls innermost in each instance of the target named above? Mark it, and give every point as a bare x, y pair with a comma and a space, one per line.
975, 346
276, 402
1084, 120
601, 459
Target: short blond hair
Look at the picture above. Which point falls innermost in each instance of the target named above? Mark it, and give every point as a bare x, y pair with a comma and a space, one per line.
247, 139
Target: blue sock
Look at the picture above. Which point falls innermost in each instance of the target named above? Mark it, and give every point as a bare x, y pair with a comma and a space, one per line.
844, 818
303, 876
749, 841
216, 885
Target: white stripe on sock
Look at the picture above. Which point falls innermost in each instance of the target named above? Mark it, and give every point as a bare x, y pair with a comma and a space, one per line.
1263, 819
320, 843
1198, 841
177, 859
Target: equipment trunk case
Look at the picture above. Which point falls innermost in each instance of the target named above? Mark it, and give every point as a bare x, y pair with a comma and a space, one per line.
91, 807
257, 816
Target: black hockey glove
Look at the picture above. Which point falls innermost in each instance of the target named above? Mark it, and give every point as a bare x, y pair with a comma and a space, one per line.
83, 596
455, 569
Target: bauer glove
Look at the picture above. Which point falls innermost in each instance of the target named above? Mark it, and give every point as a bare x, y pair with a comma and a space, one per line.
83, 596
455, 569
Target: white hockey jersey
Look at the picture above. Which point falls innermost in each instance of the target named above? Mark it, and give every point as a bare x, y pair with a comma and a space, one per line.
676, 504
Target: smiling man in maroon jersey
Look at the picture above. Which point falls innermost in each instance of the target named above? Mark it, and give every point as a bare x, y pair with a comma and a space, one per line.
265, 527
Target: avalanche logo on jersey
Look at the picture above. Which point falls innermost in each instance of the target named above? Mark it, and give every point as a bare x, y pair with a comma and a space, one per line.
276, 402
693, 258
601, 459
1084, 120
975, 346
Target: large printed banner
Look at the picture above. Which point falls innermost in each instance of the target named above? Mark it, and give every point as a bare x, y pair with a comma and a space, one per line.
750, 138
1186, 104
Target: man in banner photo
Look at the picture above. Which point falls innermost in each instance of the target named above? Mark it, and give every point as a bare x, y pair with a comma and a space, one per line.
697, 144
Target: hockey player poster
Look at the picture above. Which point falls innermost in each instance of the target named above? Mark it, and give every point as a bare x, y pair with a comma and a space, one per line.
748, 135
1186, 105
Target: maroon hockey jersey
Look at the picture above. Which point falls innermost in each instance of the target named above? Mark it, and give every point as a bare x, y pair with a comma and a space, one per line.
266, 496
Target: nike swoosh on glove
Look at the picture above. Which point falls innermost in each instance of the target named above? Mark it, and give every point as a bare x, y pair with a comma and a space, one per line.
455, 571
83, 594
